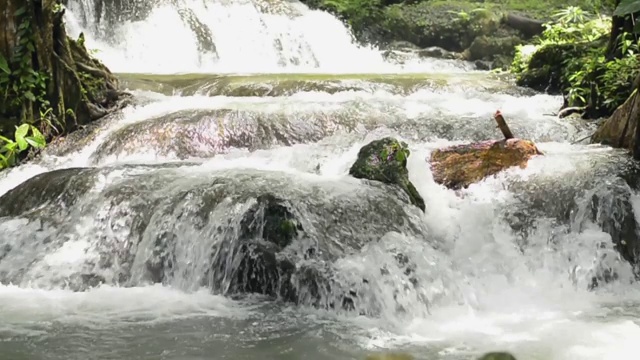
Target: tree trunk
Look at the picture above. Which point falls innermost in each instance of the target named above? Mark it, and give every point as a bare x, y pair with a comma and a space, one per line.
620, 129
619, 26
75, 88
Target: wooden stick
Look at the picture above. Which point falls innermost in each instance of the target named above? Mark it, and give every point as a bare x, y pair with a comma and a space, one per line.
502, 124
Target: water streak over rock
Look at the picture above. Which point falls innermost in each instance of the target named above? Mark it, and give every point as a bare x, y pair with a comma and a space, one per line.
233, 231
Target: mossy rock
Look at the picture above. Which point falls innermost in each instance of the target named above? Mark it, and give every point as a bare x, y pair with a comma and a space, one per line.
545, 70
385, 160
490, 48
450, 25
497, 356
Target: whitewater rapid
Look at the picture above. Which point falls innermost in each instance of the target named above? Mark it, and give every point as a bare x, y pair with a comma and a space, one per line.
485, 290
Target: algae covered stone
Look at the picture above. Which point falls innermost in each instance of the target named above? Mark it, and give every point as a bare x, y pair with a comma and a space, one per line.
497, 356
462, 165
385, 160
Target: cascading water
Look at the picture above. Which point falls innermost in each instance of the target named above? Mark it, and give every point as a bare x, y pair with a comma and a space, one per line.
144, 237
252, 36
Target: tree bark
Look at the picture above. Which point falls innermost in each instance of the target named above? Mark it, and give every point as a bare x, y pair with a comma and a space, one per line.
79, 89
619, 26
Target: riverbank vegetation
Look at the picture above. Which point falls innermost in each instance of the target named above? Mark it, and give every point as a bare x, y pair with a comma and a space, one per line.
583, 56
49, 84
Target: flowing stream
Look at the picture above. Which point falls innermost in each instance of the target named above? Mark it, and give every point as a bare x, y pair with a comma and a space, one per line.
126, 241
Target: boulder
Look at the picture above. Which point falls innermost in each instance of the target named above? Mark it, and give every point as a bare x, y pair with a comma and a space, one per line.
459, 166
385, 160
619, 130
490, 47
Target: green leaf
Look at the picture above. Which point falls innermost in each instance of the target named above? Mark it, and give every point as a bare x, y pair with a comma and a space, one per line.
4, 66
21, 131
11, 158
7, 140
627, 7
8, 147
37, 138
22, 144
36, 143
20, 11
29, 95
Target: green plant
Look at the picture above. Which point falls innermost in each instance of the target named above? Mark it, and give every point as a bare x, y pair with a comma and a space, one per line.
358, 13
589, 79
627, 7
21, 142
396, 150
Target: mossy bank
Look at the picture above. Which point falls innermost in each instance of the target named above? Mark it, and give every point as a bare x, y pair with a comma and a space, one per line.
484, 31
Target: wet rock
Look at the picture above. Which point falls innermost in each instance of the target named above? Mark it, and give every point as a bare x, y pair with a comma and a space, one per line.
439, 53
497, 356
401, 46
490, 48
206, 133
462, 165
265, 230
385, 160
390, 356
59, 187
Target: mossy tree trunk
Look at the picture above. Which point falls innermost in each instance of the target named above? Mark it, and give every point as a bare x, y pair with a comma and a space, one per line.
619, 26
53, 74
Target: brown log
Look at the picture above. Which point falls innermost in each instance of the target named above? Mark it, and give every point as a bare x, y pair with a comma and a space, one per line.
502, 125
459, 166
528, 27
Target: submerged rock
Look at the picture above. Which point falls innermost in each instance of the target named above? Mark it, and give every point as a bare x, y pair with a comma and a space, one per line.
459, 166
390, 356
497, 356
385, 160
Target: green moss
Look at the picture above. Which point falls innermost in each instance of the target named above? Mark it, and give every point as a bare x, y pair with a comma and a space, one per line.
385, 160
446, 24
497, 356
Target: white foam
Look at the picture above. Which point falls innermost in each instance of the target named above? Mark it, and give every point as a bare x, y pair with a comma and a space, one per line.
110, 305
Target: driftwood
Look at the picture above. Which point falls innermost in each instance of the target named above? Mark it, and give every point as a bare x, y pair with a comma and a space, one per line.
502, 125
528, 27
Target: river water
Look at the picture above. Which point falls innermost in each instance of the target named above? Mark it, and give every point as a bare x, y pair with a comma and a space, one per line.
272, 97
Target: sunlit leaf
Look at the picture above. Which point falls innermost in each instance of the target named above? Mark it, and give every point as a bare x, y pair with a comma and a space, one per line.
36, 143
22, 143
21, 131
